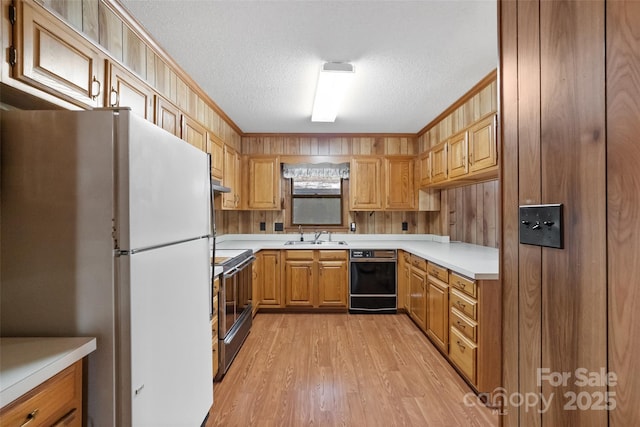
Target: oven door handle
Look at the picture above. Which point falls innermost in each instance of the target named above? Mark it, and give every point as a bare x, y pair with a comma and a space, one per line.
235, 269
245, 262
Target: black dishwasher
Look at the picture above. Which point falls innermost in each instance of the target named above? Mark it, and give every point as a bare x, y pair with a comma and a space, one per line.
372, 281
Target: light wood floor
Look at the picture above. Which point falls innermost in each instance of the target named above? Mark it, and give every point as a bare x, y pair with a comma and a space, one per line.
341, 370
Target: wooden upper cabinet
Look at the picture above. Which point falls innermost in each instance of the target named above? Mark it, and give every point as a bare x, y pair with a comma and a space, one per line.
366, 191
167, 116
439, 163
53, 58
482, 144
424, 168
127, 90
264, 183
457, 154
231, 179
216, 149
194, 133
400, 187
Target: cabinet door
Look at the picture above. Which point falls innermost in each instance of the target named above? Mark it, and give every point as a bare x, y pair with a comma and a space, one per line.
126, 90
438, 312
53, 58
298, 279
457, 155
216, 149
400, 183
229, 200
264, 183
439, 162
332, 283
270, 279
482, 144
425, 169
366, 190
194, 133
167, 116
418, 294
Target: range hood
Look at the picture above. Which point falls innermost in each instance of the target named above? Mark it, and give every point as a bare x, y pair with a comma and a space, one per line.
218, 187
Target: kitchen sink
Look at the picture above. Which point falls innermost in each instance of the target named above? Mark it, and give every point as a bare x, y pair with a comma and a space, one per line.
331, 243
319, 242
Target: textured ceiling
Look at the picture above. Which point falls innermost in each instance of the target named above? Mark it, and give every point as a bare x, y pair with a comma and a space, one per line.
259, 60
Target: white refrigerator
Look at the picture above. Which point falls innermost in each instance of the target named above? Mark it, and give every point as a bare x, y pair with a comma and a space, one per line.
106, 232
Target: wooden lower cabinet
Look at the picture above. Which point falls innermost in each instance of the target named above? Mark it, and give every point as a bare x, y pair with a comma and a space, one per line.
475, 326
298, 279
57, 401
438, 313
311, 279
418, 307
333, 271
268, 279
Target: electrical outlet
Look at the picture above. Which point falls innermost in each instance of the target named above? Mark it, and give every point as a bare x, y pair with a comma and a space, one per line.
352, 227
263, 226
278, 226
405, 226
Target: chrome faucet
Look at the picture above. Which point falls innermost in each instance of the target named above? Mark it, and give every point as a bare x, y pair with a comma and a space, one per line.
318, 234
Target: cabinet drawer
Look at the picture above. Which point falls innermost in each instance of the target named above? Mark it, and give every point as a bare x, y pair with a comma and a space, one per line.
438, 272
332, 255
463, 324
299, 254
419, 262
463, 303
463, 284
407, 257
463, 353
57, 400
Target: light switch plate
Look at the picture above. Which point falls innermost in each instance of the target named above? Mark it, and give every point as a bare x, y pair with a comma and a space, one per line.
541, 225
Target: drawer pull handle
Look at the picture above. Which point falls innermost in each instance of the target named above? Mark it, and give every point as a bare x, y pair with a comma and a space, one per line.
461, 305
460, 345
460, 324
32, 416
461, 285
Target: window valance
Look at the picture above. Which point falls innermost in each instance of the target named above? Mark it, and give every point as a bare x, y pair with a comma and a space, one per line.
316, 171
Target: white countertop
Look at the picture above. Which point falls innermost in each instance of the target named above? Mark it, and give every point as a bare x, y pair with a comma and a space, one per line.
473, 261
25, 363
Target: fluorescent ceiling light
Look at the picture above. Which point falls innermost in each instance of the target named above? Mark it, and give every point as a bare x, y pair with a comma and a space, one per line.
332, 84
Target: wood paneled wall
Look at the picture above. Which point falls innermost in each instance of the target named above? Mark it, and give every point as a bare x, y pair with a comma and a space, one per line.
569, 116
329, 145
244, 222
623, 205
472, 213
